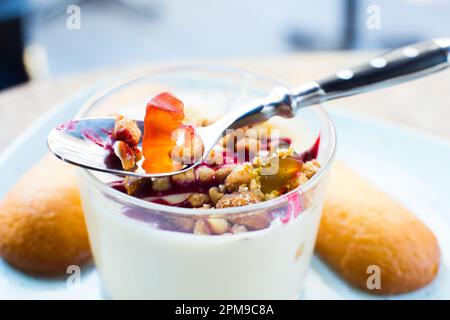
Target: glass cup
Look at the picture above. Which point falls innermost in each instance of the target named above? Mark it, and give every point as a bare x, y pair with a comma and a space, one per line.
144, 250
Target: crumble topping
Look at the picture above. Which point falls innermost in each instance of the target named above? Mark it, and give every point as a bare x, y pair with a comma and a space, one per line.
231, 184
124, 140
243, 184
310, 168
126, 130
263, 170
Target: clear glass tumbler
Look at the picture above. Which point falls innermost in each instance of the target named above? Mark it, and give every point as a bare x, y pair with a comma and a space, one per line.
138, 253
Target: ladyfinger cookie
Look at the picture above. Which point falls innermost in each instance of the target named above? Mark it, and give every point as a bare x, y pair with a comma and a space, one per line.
42, 227
363, 231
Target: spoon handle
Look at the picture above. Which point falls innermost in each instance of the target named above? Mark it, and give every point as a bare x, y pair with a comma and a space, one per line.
394, 67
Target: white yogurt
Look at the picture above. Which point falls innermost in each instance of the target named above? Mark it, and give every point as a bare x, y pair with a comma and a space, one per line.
138, 261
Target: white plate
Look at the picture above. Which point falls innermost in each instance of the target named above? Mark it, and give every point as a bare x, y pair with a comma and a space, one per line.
411, 166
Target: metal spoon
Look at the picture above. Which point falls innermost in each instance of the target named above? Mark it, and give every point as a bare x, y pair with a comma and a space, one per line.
79, 142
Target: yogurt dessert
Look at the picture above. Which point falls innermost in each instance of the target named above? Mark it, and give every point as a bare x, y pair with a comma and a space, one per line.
232, 228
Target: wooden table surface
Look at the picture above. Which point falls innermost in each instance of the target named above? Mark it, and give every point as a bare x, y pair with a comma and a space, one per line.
423, 104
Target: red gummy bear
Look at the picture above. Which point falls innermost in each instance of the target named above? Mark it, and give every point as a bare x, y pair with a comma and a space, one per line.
164, 115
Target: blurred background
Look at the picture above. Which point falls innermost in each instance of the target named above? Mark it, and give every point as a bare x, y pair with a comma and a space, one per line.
42, 38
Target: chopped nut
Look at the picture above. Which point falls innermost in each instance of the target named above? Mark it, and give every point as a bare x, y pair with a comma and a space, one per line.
241, 175
205, 174
223, 172
218, 226
215, 195
262, 159
184, 178
197, 200
237, 228
134, 184
285, 152
126, 130
310, 168
238, 199
257, 191
201, 227
252, 221
125, 154
161, 184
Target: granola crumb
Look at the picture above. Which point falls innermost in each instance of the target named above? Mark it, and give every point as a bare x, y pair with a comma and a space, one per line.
285, 152
238, 199
197, 199
241, 175
126, 130
262, 159
161, 184
184, 178
126, 135
205, 174
223, 172
215, 195
310, 168
135, 184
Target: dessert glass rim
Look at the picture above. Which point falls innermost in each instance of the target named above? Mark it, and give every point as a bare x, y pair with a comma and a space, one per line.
148, 72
